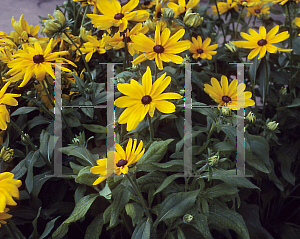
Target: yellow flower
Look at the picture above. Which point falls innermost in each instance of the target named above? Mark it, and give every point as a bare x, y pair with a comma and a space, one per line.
224, 7
4, 215
272, 125
262, 42
249, 3
296, 21
117, 16
142, 99
122, 160
258, 10
24, 33
8, 189
5, 54
90, 2
227, 95
148, 4
203, 50
182, 6
162, 48
158, 12
35, 61
4, 117
6, 154
282, 2
92, 46
117, 41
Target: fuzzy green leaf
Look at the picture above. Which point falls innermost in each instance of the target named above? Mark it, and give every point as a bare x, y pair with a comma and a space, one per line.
94, 230
135, 211
142, 230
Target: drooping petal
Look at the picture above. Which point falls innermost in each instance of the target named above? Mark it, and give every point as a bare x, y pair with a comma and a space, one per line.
164, 106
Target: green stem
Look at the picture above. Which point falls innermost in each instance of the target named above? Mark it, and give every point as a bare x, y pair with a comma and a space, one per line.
291, 41
249, 21
84, 14
139, 195
126, 50
219, 19
238, 21
76, 19
82, 56
11, 223
266, 85
9, 231
43, 108
49, 87
47, 93
151, 128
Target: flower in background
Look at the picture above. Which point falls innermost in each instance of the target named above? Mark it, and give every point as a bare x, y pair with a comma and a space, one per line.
296, 22
258, 10
158, 12
6, 99
182, 6
24, 33
225, 7
272, 125
56, 24
8, 189
148, 4
262, 42
117, 41
202, 50
227, 95
4, 215
117, 16
282, 2
5, 54
89, 2
122, 160
141, 99
163, 48
251, 117
35, 61
92, 46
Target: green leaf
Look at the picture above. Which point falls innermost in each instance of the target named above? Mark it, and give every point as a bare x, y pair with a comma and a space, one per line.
263, 71
38, 182
79, 211
143, 229
38, 120
176, 204
30, 159
48, 228
86, 177
228, 219
180, 233
166, 183
200, 223
230, 131
286, 164
151, 179
72, 120
224, 146
220, 190
253, 68
94, 230
20, 169
75, 167
79, 193
89, 111
24, 110
156, 152
95, 128
206, 111
295, 103
135, 211
105, 192
47, 143
83, 154
35, 233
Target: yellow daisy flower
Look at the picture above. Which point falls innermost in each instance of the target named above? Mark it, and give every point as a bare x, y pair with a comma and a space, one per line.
92, 46
89, 2
258, 10
142, 99
123, 159
182, 6
8, 189
249, 3
224, 7
202, 50
148, 4
282, 2
227, 95
5, 54
34, 61
262, 42
117, 16
162, 48
296, 22
158, 12
4, 215
117, 41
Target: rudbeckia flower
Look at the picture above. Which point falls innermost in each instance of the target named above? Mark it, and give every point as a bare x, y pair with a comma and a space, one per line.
90, 2
117, 16
122, 160
4, 215
262, 42
35, 61
162, 48
203, 50
282, 2
142, 99
92, 46
225, 7
117, 41
182, 6
258, 10
8, 189
226, 95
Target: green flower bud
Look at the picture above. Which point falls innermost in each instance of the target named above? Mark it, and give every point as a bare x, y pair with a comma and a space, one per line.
120, 80
272, 125
192, 19
60, 17
225, 111
230, 46
213, 160
251, 117
168, 13
283, 90
6, 154
25, 139
187, 218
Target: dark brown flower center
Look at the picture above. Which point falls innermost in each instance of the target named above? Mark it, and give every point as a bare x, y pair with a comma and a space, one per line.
158, 15
199, 51
257, 11
121, 162
158, 49
226, 99
38, 59
128, 39
119, 16
146, 99
146, 3
262, 42
244, 1
29, 35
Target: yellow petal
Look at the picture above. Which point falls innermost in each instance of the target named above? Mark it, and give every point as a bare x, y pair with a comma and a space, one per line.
164, 106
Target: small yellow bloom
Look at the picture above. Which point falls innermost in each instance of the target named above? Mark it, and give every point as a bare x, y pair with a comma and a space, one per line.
4, 215
230, 46
202, 50
272, 125
8, 189
92, 46
182, 6
192, 19
251, 117
122, 160
262, 42
225, 7
6, 154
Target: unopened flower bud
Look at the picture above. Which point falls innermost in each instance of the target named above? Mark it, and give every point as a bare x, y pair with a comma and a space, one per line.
120, 80
135, 67
150, 24
283, 90
6, 154
84, 33
59, 16
230, 46
251, 117
24, 36
168, 13
187, 218
25, 139
225, 111
272, 125
88, 90
52, 26
212, 161
192, 19
181, 91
